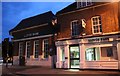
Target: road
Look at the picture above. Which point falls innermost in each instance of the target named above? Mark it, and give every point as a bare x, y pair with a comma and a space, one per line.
38, 70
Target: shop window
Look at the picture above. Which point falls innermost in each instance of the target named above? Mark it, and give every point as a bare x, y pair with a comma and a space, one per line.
74, 28
45, 48
92, 54
36, 49
109, 52
96, 25
84, 3
28, 49
63, 53
21, 49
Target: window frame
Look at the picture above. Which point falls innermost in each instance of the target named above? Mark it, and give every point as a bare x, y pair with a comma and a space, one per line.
80, 3
43, 49
99, 28
27, 50
109, 52
21, 43
95, 53
35, 50
72, 28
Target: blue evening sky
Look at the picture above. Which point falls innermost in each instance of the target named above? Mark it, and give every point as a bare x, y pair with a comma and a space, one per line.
14, 12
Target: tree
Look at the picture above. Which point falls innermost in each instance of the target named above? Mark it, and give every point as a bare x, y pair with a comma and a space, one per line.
7, 50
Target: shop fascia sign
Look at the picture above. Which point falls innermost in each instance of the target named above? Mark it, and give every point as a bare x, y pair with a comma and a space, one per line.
98, 39
31, 34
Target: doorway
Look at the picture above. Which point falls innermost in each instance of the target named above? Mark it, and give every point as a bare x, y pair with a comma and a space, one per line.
74, 56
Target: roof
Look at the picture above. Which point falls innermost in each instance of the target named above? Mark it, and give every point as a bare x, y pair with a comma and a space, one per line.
73, 7
34, 21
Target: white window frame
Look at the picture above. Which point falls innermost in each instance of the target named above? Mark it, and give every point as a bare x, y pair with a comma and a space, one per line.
97, 53
27, 50
72, 28
80, 3
43, 48
34, 49
21, 49
99, 32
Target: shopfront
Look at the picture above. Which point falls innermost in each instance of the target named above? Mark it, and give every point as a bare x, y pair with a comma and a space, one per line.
88, 53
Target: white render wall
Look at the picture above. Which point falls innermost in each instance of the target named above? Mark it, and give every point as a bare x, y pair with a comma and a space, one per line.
82, 54
33, 62
118, 51
101, 64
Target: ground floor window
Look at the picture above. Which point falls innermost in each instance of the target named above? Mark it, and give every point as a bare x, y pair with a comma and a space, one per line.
36, 48
101, 53
21, 51
92, 54
63, 53
45, 48
109, 53
28, 49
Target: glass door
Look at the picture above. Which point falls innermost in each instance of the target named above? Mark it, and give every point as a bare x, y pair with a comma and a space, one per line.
74, 57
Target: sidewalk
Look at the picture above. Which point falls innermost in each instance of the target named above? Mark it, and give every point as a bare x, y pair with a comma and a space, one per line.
37, 70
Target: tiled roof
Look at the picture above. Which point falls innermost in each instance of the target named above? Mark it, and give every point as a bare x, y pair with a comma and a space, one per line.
34, 21
73, 7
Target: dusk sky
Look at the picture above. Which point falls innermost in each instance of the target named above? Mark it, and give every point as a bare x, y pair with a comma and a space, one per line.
14, 12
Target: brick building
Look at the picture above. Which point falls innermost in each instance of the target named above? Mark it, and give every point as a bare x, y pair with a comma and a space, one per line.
89, 36
33, 39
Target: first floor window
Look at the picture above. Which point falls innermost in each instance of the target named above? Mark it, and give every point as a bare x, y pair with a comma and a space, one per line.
28, 49
21, 49
45, 48
96, 25
74, 28
92, 54
36, 48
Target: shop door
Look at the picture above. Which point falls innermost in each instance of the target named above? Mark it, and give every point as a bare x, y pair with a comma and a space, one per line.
74, 57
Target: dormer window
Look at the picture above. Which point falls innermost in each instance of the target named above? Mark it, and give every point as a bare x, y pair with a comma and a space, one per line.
83, 3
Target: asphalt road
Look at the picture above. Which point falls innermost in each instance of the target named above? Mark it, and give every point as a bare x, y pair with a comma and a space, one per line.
38, 71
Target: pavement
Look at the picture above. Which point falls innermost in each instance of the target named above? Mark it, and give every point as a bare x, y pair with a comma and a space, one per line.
40, 70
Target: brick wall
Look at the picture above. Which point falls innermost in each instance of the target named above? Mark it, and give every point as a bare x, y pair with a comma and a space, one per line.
108, 13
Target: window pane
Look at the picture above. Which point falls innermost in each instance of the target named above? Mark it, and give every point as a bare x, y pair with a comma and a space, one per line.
28, 49
89, 54
92, 54
46, 48
21, 49
75, 27
36, 44
97, 27
109, 52
100, 28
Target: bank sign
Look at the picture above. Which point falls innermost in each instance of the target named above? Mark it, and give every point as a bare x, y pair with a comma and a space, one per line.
91, 40
31, 34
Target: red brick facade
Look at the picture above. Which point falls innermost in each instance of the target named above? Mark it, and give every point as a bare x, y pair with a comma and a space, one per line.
107, 11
